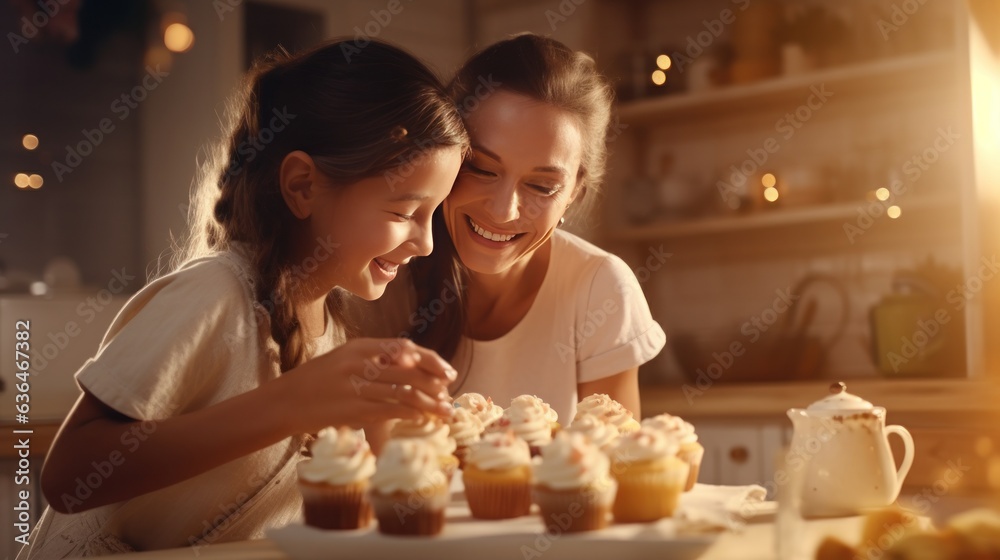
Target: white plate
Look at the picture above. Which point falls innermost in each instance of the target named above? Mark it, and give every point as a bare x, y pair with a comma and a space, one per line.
511, 539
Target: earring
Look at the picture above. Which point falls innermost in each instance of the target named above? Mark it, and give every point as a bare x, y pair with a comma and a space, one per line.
562, 220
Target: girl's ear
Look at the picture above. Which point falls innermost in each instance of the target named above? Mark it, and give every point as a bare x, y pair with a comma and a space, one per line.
297, 179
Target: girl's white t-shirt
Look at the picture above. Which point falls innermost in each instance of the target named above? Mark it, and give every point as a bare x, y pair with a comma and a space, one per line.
186, 341
589, 321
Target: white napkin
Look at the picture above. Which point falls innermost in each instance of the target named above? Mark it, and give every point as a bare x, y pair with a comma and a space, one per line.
708, 507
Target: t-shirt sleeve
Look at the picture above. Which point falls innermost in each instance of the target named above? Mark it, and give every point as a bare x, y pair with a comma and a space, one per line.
171, 340
616, 331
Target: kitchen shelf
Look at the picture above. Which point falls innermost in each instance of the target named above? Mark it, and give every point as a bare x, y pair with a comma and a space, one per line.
897, 73
767, 219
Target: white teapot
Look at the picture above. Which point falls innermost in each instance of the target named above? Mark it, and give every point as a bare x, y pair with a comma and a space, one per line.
842, 443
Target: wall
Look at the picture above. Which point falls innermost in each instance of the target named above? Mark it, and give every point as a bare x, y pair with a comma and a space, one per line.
90, 211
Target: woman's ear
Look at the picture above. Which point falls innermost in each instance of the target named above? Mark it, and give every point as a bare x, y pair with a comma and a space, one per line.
578, 193
297, 179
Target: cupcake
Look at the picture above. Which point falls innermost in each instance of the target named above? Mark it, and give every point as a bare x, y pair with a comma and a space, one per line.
334, 482
572, 485
598, 429
550, 414
650, 476
408, 490
531, 420
465, 428
603, 405
497, 477
483, 407
435, 432
691, 452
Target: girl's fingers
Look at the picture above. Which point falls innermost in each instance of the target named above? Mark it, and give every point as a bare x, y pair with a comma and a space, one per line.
432, 386
428, 361
404, 351
406, 396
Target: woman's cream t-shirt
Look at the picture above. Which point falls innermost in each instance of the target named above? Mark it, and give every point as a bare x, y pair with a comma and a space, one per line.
589, 321
186, 341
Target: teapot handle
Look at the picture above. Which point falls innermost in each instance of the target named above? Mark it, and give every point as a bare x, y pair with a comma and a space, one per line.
904, 467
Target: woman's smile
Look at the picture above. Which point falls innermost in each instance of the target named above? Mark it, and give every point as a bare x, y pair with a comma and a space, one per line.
491, 237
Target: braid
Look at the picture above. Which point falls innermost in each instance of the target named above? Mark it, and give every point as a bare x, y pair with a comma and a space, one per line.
275, 290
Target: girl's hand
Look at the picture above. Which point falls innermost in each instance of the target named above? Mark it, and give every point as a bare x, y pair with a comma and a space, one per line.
370, 380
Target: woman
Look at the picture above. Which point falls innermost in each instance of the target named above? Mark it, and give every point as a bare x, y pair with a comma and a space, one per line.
516, 304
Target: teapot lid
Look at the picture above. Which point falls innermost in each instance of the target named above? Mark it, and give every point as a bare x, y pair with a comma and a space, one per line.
840, 399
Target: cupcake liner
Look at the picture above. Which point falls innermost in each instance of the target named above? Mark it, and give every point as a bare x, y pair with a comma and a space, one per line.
648, 490
575, 510
498, 495
411, 513
691, 453
327, 506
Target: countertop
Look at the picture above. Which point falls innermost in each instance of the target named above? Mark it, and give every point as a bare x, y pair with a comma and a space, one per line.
970, 398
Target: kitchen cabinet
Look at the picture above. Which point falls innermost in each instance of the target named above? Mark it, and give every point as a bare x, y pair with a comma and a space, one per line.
66, 329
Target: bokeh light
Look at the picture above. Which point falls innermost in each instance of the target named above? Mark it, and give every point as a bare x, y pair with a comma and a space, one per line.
178, 37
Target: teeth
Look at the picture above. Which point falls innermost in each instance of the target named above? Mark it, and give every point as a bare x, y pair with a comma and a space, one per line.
489, 235
386, 266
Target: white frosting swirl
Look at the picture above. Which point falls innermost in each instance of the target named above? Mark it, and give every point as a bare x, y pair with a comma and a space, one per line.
482, 406
603, 405
465, 427
674, 426
499, 451
407, 465
571, 461
338, 457
534, 402
529, 417
598, 429
645, 444
432, 430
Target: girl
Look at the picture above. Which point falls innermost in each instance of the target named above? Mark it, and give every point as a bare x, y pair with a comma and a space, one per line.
535, 309
193, 412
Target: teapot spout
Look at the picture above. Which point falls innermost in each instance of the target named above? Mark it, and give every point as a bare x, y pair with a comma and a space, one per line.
796, 415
